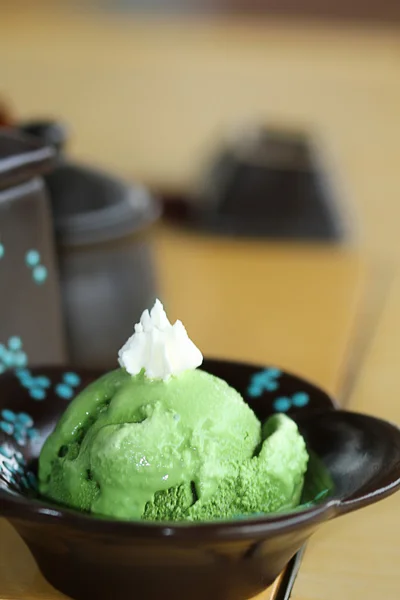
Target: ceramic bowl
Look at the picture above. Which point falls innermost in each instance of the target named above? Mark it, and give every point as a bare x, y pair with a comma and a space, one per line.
88, 557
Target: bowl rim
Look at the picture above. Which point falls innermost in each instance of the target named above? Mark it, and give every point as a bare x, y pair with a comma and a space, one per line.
135, 211
20, 508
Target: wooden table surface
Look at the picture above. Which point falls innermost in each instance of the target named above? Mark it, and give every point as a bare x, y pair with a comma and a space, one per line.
148, 97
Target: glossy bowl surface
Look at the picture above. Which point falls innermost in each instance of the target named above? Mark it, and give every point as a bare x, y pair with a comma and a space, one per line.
88, 557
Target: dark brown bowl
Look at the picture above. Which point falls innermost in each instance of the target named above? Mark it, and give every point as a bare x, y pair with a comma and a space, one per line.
88, 557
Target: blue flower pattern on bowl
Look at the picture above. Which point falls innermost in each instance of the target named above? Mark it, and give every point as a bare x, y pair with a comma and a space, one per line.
265, 380
36, 385
285, 403
19, 426
66, 389
12, 355
13, 465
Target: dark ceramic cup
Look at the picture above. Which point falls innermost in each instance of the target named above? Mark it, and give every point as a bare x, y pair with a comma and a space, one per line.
103, 234
87, 557
103, 230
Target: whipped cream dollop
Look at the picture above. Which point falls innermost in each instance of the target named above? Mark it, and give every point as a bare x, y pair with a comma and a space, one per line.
158, 347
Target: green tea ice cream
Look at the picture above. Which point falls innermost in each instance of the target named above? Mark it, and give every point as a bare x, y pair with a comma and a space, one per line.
160, 439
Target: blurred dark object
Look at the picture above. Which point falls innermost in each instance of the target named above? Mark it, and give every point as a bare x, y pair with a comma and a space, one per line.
102, 228
22, 159
268, 183
31, 327
6, 119
52, 133
378, 10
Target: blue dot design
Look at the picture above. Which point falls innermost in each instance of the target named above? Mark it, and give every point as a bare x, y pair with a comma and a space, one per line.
298, 400
25, 377
65, 390
8, 415
37, 393
36, 385
7, 427
39, 271
18, 425
42, 381
20, 359
6, 452
39, 385
72, 379
15, 343
25, 419
39, 274
32, 258
13, 466
282, 404
12, 355
264, 381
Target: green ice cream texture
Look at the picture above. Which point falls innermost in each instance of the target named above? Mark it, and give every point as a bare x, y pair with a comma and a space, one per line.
159, 440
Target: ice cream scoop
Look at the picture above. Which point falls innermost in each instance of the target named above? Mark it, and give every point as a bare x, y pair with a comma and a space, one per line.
167, 443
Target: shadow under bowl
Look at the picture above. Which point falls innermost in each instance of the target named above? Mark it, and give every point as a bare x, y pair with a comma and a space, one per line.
89, 557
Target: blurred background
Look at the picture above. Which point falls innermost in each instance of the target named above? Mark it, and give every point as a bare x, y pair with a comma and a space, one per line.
190, 137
